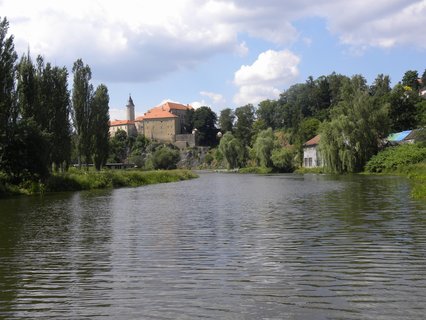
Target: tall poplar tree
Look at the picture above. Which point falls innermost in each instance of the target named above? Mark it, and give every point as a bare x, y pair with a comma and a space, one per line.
100, 109
8, 113
58, 103
82, 109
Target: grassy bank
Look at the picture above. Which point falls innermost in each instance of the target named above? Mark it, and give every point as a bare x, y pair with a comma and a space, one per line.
417, 174
76, 180
406, 160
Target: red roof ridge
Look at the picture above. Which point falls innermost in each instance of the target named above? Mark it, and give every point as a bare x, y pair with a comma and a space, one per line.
314, 141
120, 122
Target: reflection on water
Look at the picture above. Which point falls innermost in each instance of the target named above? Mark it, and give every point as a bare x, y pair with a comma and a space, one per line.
219, 247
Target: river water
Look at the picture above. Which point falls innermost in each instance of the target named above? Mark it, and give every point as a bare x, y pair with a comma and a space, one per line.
223, 246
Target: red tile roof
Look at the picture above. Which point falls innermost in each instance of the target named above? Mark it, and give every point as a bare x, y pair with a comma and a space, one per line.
167, 106
313, 142
140, 118
157, 113
120, 122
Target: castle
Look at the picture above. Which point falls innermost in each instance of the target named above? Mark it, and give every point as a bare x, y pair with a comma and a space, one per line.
164, 123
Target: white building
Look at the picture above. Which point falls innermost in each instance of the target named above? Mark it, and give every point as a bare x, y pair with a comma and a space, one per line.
311, 155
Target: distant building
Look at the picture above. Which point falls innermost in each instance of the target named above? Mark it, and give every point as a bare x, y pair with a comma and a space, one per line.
408, 136
311, 155
164, 123
127, 125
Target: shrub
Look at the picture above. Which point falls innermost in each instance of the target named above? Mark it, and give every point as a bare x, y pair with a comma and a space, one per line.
393, 158
165, 158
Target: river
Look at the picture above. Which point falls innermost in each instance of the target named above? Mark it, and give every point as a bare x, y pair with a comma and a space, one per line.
223, 246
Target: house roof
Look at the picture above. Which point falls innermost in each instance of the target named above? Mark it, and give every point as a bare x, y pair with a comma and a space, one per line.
120, 122
398, 136
140, 118
157, 113
167, 106
313, 142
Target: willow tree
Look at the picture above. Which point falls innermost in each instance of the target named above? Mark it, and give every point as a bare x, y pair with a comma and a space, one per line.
232, 150
263, 147
353, 134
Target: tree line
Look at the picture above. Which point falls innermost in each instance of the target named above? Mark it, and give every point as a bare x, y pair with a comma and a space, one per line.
351, 116
41, 119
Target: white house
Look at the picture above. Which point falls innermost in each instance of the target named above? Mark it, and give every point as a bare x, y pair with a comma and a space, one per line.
311, 155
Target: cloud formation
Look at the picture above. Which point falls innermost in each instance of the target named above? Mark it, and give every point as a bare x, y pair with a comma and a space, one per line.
138, 41
266, 77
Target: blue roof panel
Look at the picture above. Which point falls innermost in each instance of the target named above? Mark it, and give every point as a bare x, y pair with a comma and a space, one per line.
399, 136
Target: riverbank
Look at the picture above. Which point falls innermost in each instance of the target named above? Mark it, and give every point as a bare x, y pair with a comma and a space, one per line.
76, 180
417, 175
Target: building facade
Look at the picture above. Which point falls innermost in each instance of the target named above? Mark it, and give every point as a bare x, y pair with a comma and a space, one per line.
164, 123
311, 155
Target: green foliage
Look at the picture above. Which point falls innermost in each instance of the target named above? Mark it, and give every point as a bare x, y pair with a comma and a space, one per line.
283, 159
119, 145
82, 106
100, 126
205, 123
26, 156
393, 158
352, 136
226, 120
410, 79
232, 150
263, 147
8, 111
165, 158
403, 111
86, 180
271, 113
243, 130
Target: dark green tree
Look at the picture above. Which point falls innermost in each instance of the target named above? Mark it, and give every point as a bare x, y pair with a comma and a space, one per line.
381, 86
403, 111
188, 124
119, 147
226, 120
82, 101
271, 113
243, 130
60, 125
8, 110
410, 79
205, 123
27, 90
100, 110
53, 114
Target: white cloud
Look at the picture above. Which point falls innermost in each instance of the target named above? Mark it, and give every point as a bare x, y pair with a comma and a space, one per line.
266, 77
145, 40
216, 98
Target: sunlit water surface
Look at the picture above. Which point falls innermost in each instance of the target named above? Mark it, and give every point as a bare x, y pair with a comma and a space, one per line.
223, 246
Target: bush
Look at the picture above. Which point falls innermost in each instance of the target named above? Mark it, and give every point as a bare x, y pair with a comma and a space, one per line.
393, 158
282, 159
165, 158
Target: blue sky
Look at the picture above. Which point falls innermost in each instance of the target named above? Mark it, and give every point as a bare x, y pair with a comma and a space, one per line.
219, 53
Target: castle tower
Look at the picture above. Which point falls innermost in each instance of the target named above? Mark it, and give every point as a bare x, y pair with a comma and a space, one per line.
130, 110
